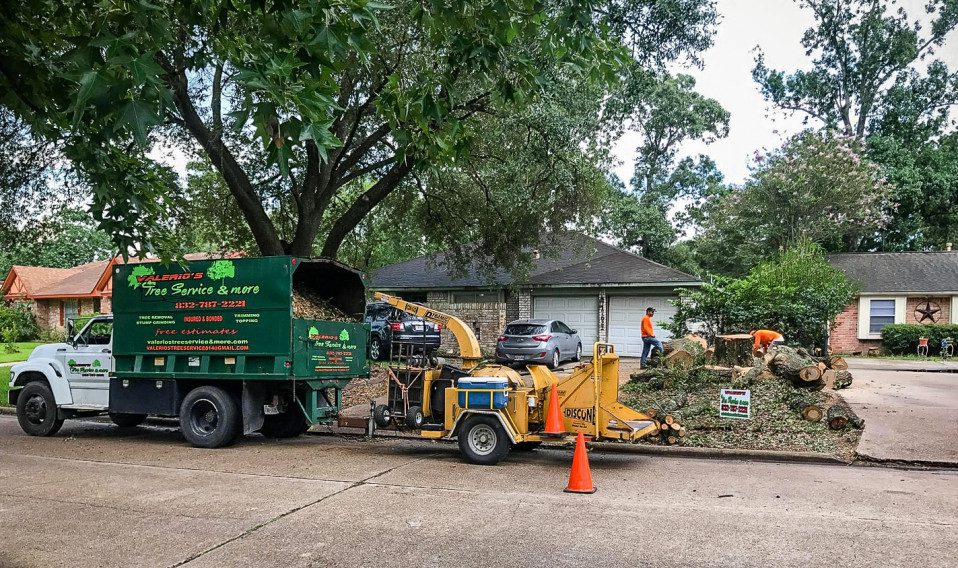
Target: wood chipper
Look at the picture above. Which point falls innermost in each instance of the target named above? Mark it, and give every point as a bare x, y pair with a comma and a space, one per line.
491, 409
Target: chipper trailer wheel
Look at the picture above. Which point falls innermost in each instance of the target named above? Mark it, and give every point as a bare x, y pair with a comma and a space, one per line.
483, 440
209, 418
37, 410
382, 416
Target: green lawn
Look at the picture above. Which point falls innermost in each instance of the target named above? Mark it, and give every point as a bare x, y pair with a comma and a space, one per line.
23, 351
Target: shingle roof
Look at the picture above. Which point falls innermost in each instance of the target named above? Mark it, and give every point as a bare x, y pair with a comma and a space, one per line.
36, 278
586, 261
891, 272
80, 281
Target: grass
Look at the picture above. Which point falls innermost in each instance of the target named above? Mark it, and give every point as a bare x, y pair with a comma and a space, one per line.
22, 352
693, 399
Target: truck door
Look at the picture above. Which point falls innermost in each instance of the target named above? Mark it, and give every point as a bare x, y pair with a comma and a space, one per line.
88, 360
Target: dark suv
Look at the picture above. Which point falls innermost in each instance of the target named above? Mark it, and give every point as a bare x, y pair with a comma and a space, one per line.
390, 326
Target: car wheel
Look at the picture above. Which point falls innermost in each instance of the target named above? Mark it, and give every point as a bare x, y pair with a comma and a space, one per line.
124, 420
287, 424
375, 349
578, 352
37, 410
209, 418
483, 441
556, 360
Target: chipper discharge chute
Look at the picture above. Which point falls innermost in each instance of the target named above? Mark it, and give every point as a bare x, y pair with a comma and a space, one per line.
492, 409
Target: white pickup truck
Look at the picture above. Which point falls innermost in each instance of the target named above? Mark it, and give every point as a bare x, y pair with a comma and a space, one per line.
67, 380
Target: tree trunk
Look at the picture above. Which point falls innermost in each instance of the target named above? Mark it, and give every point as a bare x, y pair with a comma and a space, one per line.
789, 364
734, 350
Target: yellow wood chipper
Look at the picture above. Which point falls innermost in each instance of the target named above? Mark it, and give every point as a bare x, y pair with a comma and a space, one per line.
492, 409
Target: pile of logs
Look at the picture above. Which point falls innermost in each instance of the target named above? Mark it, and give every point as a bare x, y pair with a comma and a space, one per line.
670, 431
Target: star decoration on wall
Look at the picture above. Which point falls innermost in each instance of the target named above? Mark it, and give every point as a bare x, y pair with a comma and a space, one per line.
928, 311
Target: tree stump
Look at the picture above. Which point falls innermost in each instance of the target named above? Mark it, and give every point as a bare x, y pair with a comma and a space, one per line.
734, 350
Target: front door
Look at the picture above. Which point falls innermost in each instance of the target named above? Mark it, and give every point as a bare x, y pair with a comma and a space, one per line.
88, 361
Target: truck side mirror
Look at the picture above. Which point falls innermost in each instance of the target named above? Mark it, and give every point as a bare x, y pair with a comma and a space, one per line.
69, 333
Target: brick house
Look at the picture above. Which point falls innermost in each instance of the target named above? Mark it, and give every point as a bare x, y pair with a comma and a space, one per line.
899, 287
595, 288
57, 295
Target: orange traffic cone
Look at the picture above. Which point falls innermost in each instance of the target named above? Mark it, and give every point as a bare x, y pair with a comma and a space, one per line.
554, 417
580, 478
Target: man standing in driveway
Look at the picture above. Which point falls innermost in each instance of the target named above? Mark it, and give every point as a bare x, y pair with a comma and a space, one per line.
649, 341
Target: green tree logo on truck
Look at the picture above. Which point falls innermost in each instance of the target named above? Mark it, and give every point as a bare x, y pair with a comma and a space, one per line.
138, 271
344, 335
221, 270
313, 332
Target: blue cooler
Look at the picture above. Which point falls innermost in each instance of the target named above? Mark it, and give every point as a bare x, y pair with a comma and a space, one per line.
480, 400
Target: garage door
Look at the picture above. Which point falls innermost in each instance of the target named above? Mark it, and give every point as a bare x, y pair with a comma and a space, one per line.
625, 321
581, 313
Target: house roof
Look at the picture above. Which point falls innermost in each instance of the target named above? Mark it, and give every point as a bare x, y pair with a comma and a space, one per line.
895, 272
86, 280
585, 261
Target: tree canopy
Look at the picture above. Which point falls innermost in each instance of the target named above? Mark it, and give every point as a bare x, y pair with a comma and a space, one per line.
296, 103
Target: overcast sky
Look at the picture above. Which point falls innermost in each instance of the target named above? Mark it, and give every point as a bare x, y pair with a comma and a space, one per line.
777, 26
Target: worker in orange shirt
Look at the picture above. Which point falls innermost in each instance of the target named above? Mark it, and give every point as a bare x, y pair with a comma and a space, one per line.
649, 341
765, 338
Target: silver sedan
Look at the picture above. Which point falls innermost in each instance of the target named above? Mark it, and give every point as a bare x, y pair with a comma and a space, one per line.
538, 341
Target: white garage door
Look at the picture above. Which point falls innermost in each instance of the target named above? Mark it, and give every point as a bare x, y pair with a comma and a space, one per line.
625, 321
581, 313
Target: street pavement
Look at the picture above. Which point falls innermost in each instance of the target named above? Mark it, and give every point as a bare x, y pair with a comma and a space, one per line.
910, 416
98, 496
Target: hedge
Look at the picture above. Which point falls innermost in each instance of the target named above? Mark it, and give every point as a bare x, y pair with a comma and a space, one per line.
902, 338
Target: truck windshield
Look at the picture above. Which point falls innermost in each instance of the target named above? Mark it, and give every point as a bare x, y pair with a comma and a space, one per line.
525, 329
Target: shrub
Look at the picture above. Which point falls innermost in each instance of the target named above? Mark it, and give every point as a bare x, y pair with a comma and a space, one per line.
17, 322
52, 336
797, 294
902, 338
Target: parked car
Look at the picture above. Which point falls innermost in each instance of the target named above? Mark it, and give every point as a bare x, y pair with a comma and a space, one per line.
538, 340
389, 326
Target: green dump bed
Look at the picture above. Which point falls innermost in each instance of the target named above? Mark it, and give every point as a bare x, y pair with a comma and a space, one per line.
233, 319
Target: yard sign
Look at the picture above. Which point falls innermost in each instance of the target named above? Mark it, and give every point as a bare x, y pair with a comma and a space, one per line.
735, 404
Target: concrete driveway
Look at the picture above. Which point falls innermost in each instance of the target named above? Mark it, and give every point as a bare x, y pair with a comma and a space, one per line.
910, 409
97, 496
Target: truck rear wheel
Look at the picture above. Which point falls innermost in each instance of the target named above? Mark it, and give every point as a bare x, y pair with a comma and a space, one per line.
127, 420
483, 441
209, 418
37, 410
288, 424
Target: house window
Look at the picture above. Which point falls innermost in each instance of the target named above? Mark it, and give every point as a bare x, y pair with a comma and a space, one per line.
475, 297
881, 313
71, 309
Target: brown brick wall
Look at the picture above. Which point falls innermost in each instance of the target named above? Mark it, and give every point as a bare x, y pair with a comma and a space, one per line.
489, 318
844, 336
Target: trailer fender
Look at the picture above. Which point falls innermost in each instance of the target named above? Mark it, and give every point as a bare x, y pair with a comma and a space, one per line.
505, 425
42, 369
253, 399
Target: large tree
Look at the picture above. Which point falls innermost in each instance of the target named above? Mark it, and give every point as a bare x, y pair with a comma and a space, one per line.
864, 51
332, 92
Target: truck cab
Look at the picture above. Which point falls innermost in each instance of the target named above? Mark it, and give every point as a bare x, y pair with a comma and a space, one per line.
65, 380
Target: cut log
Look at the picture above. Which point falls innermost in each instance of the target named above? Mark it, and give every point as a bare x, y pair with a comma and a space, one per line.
679, 359
808, 408
843, 380
837, 362
790, 365
710, 355
837, 416
734, 350
810, 373
829, 377
651, 413
682, 432
668, 419
672, 440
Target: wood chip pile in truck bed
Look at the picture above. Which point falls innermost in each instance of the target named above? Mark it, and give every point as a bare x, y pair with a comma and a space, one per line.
309, 305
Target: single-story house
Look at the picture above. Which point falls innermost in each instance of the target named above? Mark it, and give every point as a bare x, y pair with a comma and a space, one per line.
895, 287
57, 295
598, 289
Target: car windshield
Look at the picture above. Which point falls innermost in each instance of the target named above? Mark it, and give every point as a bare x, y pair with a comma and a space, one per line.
524, 329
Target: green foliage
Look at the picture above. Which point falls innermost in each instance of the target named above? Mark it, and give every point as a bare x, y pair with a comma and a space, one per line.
17, 322
902, 338
797, 294
864, 53
816, 187
55, 335
290, 102
80, 321
65, 239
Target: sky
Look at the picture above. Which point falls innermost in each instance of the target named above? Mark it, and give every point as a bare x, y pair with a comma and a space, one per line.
777, 26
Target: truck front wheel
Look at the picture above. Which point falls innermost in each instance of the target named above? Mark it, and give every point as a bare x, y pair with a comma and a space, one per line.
483, 440
37, 410
209, 418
